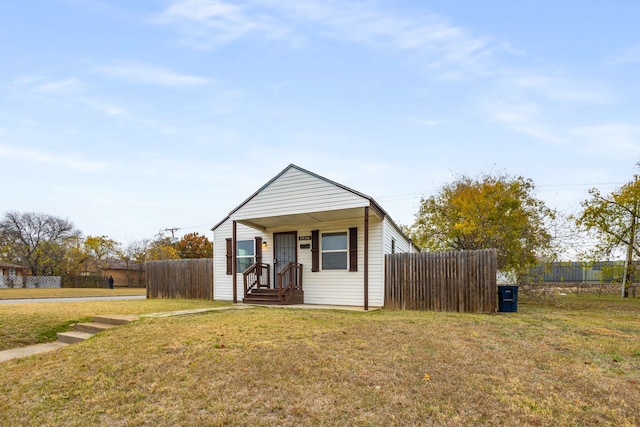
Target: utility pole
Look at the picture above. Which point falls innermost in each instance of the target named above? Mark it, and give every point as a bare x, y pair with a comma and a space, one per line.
627, 280
172, 231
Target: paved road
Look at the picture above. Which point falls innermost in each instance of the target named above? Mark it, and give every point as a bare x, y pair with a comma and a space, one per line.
76, 299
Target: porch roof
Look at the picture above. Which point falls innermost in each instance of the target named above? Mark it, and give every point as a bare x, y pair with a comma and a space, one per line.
294, 219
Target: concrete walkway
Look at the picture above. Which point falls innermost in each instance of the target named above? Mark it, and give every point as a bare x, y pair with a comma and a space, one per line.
17, 353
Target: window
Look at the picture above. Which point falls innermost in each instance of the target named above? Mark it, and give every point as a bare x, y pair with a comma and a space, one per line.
393, 246
245, 255
334, 251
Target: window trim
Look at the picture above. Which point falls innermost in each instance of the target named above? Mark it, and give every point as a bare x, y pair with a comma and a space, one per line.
244, 257
344, 251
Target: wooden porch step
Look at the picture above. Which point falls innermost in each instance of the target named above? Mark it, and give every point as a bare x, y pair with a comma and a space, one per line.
263, 291
270, 297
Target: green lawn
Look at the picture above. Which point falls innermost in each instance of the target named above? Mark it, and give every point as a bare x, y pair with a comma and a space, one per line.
34, 323
570, 361
21, 293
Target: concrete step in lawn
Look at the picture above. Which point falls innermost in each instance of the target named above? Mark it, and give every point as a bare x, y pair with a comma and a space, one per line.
73, 337
93, 327
87, 330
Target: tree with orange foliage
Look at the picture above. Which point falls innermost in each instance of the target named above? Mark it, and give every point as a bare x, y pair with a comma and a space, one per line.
193, 245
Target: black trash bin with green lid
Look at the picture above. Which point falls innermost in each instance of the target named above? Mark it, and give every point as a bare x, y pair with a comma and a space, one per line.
508, 298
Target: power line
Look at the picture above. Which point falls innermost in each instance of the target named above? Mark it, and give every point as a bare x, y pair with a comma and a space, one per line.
545, 187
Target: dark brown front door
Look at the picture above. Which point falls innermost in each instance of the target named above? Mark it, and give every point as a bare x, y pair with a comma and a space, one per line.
284, 251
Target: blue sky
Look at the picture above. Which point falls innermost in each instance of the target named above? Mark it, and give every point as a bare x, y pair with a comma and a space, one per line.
131, 117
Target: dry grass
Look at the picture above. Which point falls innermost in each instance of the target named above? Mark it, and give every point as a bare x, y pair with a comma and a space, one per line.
563, 361
33, 323
21, 293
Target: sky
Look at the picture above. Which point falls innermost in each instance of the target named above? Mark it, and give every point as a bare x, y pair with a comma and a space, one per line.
132, 117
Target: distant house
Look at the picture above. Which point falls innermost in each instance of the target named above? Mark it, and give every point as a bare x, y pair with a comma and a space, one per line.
124, 273
11, 275
303, 238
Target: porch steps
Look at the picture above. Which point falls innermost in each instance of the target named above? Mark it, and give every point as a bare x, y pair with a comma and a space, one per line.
85, 331
270, 297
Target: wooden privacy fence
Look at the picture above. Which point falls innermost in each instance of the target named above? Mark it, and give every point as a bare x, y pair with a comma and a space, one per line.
185, 278
462, 281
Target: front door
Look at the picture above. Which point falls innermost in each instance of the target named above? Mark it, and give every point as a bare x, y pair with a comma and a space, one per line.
284, 252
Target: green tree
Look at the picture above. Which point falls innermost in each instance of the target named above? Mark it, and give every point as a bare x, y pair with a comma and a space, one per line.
193, 245
161, 249
151, 250
100, 249
498, 212
36, 240
614, 221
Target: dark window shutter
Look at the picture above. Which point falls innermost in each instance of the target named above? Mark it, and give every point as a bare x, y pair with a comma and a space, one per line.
353, 249
258, 250
229, 256
315, 250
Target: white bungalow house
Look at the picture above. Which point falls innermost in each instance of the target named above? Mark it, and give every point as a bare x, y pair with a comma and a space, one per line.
302, 238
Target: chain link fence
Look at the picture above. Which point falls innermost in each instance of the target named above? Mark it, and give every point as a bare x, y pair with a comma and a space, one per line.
45, 282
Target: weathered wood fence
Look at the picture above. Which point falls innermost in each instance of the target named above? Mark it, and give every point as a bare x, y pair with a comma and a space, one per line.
462, 281
185, 278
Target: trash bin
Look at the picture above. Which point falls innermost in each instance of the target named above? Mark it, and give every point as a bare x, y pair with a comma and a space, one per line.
507, 298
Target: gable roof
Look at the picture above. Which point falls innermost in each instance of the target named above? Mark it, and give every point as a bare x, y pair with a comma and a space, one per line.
372, 203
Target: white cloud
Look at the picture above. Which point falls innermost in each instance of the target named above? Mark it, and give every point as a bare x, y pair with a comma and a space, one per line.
58, 86
108, 109
526, 118
139, 73
628, 56
44, 157
221, 22
561, 89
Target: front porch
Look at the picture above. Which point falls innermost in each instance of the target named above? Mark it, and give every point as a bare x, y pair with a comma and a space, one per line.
286, 291
281, 244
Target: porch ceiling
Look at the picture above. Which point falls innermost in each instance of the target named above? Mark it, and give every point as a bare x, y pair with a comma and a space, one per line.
303, 218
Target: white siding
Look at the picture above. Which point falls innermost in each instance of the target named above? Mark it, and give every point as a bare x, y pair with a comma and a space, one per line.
298, 192
332, 287
391, 233
223, 282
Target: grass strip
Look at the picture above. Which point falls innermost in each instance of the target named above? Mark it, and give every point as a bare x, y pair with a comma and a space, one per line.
32, 293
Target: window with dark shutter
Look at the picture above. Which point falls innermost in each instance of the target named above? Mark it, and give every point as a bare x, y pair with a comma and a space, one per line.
335, 254
229, 257
353, 249
315, 250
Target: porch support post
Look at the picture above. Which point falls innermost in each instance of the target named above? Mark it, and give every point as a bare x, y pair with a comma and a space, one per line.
234, 275
366, 258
